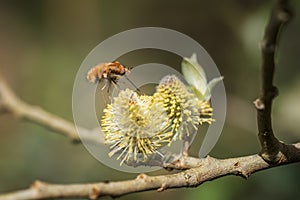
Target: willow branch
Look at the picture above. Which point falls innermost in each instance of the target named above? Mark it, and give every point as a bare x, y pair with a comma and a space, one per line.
209, 168
272, 148
10, 103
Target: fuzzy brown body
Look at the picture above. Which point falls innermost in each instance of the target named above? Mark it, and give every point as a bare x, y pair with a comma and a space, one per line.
110, 71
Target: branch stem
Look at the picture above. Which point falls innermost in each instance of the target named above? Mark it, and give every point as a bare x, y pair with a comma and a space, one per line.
271, 147
210, 168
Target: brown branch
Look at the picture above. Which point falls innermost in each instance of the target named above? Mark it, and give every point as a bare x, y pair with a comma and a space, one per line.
10, 103
209, 168
272, 149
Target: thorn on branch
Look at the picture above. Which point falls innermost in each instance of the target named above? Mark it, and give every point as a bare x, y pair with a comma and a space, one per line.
239, 171
245, 175
162, 187
142, 176
284, 13
37, 184
95, 192
284, 16
259, 105
237, 164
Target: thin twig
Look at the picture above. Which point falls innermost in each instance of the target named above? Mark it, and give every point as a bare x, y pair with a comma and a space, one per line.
271, 147
209, 169
10, 103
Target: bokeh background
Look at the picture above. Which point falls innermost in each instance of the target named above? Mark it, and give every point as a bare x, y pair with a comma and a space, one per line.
42, 44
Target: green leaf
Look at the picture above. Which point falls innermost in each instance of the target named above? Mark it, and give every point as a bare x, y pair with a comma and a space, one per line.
198, 94
211, 85
195, 75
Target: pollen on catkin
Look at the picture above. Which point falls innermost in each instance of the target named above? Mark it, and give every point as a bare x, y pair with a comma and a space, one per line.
206, 112
138, 126
135, 126
184, 109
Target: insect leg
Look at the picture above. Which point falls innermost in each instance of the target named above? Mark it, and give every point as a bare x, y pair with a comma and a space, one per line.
109, 81
137, 89
105, 84
114, 81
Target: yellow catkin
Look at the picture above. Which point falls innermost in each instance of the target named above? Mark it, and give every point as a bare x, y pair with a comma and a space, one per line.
137, 126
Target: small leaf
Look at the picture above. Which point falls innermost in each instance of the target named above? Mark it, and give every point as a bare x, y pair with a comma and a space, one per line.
194, 73
198, 94
210, 86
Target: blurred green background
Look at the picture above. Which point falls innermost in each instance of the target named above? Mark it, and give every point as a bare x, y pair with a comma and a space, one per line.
42, 44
